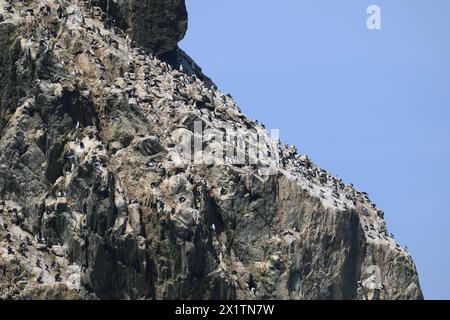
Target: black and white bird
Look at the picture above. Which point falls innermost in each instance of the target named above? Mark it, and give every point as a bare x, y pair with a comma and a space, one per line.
58, 277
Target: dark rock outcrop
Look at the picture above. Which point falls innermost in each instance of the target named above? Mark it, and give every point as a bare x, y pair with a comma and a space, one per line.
157, 25
96, 204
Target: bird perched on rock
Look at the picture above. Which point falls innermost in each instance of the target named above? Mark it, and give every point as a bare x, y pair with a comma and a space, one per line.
55, 264
58, 277
23, 248
251, 284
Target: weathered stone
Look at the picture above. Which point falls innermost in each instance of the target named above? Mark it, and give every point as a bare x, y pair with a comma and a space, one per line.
91, 182
157, 25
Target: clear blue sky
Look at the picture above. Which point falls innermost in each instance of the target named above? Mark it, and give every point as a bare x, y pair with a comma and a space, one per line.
372, 107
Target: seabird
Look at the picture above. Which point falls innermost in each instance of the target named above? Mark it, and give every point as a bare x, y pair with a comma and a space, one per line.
251, 284
23, 248
37, 239
58, 277
55, 264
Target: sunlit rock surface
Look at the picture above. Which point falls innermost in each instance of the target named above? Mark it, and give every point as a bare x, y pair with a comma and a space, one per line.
94, 203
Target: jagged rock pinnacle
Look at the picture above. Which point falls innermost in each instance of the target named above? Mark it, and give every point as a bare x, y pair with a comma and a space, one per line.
157, 25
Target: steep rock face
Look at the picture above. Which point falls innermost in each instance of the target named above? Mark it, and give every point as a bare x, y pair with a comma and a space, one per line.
96, 204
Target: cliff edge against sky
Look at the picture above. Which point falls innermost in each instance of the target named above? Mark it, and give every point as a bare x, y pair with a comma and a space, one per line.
95, 202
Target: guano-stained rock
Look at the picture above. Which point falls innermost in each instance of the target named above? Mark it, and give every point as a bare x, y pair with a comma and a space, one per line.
94, 203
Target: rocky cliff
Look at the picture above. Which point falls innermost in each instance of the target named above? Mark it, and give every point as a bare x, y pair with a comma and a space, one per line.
98, 202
